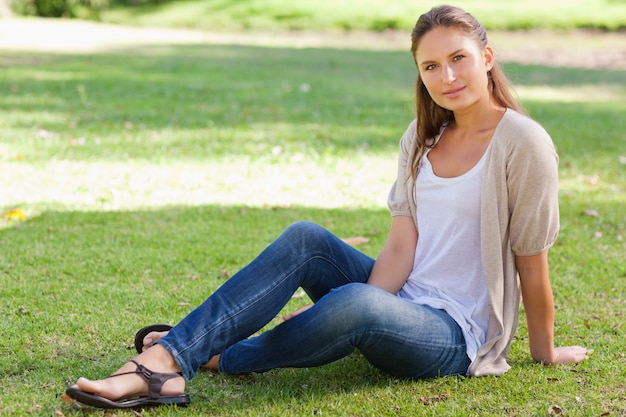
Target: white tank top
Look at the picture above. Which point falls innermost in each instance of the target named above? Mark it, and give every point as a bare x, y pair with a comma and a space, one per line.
448, 271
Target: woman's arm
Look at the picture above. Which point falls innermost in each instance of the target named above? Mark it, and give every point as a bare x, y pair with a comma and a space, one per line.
539, 306
395, 261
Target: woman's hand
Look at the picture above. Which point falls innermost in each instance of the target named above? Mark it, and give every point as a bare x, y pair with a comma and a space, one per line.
571, 354
298, 311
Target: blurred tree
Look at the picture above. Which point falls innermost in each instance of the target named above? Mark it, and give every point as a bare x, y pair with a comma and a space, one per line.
138, 2
60, 8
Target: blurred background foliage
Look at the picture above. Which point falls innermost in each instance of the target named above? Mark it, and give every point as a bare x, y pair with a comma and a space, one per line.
89, 9
373, 15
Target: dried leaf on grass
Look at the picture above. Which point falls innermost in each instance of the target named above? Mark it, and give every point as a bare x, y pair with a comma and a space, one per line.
357, 240
592, 179
555, 410
434, 398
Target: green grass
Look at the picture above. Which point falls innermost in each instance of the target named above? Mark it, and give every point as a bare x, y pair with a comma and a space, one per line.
367, 14
150, 175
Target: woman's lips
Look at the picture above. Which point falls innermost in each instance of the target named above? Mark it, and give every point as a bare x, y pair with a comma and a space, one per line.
453, 92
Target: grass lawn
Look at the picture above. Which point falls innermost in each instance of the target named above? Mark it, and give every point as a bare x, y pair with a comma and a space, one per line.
150, 175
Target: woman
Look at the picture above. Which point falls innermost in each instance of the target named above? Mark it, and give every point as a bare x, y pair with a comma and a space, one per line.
473, 208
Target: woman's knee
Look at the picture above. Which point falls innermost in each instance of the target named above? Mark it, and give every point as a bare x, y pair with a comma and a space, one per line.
306, 234
360, 304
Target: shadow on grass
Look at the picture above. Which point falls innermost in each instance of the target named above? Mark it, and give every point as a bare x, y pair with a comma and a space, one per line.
210, 101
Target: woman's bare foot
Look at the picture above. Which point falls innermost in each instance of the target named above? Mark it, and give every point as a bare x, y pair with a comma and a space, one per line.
152, 337
156, 359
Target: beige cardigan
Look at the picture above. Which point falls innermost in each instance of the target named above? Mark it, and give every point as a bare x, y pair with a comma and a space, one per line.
519, 216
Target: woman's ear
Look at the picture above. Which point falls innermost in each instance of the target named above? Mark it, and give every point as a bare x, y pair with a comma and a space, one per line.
489, 58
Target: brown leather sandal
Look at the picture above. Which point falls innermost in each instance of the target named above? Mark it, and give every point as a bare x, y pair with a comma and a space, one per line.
155, 381
143, 332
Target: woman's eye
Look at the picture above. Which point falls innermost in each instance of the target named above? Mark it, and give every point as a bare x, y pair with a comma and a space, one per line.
458, 57
430, 67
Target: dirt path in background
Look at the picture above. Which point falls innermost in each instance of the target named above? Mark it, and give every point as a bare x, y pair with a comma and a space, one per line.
581, 49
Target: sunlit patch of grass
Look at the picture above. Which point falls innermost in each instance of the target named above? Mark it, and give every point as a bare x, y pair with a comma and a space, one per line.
326, 182
573, 94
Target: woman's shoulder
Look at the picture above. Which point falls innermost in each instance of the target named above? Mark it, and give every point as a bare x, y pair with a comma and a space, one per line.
518, 129
521, 123
520, 138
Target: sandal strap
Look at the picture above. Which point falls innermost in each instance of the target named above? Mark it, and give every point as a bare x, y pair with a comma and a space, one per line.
155, 380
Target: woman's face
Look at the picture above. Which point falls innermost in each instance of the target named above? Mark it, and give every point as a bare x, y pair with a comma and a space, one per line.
453, 68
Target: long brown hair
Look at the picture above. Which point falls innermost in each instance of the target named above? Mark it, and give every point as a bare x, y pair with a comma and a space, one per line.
431, 116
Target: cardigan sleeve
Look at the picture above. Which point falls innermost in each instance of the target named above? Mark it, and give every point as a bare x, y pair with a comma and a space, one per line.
399, 194
532, 182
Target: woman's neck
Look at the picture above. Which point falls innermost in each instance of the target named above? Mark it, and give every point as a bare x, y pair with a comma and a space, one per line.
476, 120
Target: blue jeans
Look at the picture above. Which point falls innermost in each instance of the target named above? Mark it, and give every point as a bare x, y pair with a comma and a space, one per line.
397, 336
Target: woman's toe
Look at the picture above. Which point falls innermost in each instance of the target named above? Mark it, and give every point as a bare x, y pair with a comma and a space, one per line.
120, 385
93, 387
